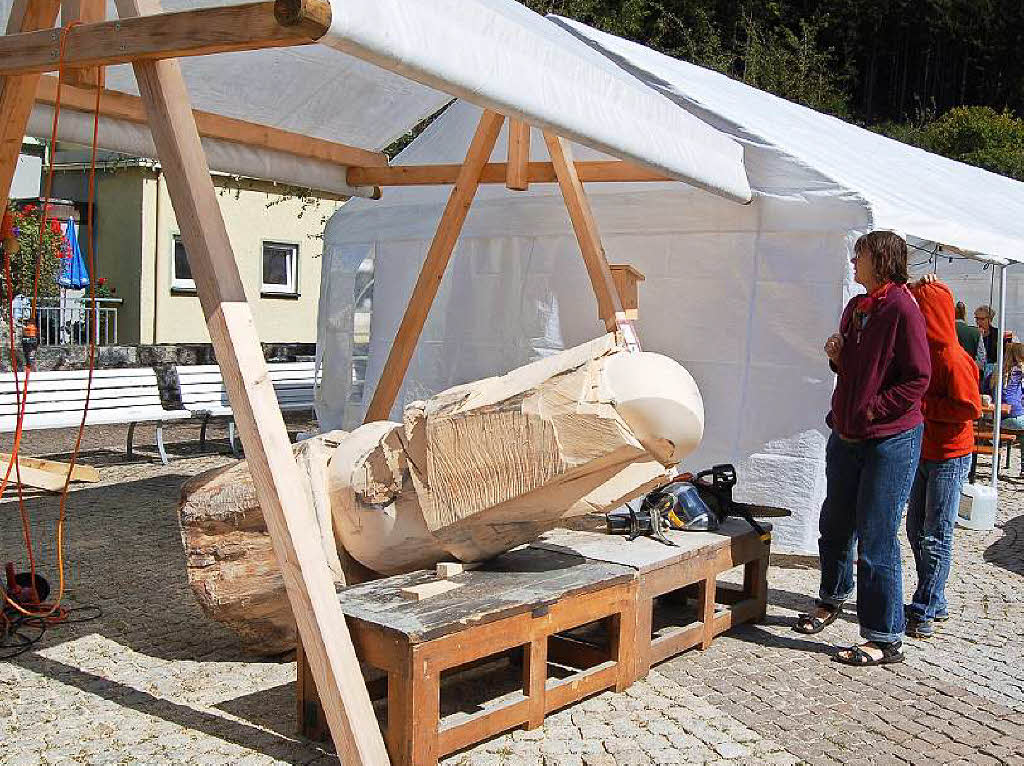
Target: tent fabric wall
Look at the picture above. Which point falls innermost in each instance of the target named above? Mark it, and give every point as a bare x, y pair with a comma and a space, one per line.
741, 295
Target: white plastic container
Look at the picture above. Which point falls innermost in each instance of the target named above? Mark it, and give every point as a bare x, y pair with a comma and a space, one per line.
977, 507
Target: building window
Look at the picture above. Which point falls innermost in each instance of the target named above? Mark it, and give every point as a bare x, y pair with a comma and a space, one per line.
181, 273
280, 268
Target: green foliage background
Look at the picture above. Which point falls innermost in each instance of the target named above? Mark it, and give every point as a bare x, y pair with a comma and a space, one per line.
945, 75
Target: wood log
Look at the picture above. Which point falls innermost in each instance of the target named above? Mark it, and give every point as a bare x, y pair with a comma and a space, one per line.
230, 557
484, 467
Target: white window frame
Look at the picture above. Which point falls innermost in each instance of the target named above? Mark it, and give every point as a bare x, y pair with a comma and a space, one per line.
291, 288
176, 283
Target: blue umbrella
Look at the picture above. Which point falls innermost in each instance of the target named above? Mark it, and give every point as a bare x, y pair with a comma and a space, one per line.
74, 275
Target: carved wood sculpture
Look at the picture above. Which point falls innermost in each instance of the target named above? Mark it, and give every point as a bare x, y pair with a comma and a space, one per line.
470, 473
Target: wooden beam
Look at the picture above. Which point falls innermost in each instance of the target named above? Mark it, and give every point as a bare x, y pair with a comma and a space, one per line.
286, 507
17, 94
80, 473
195, 32
86, 12
518, 175
436, 262
123, 106
497, 173
609, 307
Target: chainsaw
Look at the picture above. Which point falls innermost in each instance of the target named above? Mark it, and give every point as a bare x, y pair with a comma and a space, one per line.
689, 503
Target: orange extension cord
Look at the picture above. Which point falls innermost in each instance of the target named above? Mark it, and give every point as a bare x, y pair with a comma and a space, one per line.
51, 612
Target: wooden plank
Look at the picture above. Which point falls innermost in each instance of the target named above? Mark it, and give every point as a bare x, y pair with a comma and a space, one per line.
86, 12
598, 171
481, 725
609, 307
194, 32
308, 579
579, 685
17, 94
33, 477
428, 589
124, 106
518, 175
434, 266
81, 472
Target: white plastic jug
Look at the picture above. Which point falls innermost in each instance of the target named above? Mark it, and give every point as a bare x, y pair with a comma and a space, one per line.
977, 507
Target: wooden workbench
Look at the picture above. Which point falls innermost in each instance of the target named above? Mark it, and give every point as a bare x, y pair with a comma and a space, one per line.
580, 611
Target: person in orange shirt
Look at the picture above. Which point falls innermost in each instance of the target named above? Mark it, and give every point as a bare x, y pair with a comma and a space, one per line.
951, 405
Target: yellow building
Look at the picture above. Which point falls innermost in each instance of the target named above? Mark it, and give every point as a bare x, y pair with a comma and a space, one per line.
276, 239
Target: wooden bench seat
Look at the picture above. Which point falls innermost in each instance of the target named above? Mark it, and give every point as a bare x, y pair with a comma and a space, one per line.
56, 399
204, 396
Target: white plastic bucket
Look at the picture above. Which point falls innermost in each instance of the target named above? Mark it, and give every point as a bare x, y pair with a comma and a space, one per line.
977, 507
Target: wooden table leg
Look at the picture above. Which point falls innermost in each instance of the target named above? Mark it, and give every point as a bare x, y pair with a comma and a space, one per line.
535, 678
414, 701
624, 644
310, 712
644, 618
706, 605
755, 584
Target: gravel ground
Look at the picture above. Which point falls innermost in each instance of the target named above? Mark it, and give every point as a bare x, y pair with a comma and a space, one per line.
152, 681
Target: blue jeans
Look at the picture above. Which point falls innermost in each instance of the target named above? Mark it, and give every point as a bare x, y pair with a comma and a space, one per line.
931, 517
868, 483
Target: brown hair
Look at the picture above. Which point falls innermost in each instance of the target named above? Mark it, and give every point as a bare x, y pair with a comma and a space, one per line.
961, 310
1014, 358
888, 255
987, 311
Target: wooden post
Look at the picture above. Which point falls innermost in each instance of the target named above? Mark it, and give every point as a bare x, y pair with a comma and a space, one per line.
626, 279
87, 12
441, 248
609, 307
307, 577
17, 94
518, 173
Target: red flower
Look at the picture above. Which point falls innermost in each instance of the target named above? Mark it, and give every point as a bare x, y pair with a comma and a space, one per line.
55, 227
101, 281
28, 209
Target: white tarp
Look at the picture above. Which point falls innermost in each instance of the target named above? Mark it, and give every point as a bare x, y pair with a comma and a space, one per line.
909, 190
743, 296
495, 53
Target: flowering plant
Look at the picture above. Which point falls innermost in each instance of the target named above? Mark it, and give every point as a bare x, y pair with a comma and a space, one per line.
103, 289
22, 244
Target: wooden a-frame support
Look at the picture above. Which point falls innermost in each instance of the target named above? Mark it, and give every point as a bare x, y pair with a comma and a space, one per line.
308, 580
447, 235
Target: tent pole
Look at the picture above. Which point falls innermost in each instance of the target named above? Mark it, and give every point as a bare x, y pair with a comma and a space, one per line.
518, 171
423, 294
17, 94
997, 418
307, 576
609, 304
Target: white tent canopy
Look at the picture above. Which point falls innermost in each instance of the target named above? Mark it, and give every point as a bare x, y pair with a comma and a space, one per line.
743, 296
494, 53
906, 189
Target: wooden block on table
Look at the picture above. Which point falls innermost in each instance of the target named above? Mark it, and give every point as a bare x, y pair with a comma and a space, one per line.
428, 590
448, 569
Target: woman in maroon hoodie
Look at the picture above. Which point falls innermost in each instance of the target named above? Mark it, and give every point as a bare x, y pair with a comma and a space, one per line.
951, 405
880, 356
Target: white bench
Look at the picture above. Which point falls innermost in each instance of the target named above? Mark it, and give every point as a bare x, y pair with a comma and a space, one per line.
56, 399
204, 396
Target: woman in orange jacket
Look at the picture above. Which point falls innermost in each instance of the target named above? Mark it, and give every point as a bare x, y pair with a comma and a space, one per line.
951, 405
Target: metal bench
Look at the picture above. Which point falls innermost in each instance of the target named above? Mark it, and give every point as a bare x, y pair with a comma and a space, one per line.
56, 399
203, 394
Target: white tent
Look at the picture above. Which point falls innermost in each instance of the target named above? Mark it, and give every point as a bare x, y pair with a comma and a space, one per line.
384, 65
744, 296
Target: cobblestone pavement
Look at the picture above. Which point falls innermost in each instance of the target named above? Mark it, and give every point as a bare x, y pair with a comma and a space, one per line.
152, 681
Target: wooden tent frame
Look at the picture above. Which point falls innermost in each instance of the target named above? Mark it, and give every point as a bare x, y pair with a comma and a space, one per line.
152, 41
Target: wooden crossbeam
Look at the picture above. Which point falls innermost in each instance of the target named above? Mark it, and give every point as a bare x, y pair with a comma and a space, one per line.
286, 507
434, 266
195, 32
17, 94
124, 106
518, 175
86, 12
609, 307
612, 171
